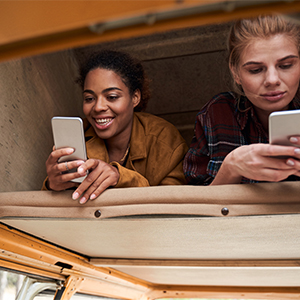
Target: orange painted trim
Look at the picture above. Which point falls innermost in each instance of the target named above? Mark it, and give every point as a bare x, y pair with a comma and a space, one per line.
21, 252
209, 292
82, 36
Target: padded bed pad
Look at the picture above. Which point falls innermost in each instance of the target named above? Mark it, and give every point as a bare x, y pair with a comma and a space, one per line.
225, 200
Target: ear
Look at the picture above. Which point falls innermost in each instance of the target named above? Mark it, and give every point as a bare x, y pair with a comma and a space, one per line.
235, 75
136, 98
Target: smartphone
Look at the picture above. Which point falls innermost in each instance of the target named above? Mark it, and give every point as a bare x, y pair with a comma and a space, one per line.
68, 132
283, 125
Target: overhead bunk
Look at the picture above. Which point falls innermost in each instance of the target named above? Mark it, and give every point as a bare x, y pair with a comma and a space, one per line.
230, 238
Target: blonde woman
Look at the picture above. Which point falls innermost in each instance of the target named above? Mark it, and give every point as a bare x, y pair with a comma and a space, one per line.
231, 132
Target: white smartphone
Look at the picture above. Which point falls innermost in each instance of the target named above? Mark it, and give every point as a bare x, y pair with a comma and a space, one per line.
68, 132
283, 125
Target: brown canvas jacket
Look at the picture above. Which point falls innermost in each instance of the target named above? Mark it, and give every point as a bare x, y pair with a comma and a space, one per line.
156, 153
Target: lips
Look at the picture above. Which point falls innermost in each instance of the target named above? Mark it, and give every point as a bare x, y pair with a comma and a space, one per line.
273, 96
103, 123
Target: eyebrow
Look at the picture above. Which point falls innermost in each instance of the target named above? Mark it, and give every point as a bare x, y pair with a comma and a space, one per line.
287, 57
104, 91
259, 63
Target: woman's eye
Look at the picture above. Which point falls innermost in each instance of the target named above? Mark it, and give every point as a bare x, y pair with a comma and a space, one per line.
88, 99
255, 71
285, 66
112, 97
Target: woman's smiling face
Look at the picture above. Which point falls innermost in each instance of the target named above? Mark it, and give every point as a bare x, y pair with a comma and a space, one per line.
269, 73
108, 104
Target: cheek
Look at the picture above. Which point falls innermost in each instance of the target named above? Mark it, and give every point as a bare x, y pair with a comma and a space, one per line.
250, 84
86, 108
293, 80
124, 107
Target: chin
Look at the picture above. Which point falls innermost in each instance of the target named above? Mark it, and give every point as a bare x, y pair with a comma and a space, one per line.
103, 136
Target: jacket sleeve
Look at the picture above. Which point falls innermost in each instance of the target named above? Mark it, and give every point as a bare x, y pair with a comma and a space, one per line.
175, 175
45, 186
129, 178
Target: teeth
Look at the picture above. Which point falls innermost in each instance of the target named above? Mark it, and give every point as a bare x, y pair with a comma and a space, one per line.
103, 121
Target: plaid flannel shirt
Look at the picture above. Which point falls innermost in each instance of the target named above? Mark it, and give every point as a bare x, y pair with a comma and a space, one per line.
220, 128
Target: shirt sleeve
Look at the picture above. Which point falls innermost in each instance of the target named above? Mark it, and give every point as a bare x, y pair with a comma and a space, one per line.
197, 158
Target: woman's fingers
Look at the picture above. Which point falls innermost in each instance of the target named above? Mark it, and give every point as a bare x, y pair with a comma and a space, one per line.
90, 164
69, 165
58, 176
264, 162
101, 176
277, 150
284, 157
56, 154
99, 186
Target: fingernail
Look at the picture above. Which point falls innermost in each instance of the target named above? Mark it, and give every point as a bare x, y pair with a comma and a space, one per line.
297, 151
70, 150
82, 200
293, 140
93, 196
75, 196
80, 170
80, 162
290, 162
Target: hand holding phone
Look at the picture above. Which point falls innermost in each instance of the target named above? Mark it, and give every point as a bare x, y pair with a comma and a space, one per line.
68, 133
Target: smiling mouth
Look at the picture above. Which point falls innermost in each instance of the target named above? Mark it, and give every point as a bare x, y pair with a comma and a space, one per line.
103, 121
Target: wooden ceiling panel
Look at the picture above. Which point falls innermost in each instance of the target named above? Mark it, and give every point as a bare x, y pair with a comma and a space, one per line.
36, 27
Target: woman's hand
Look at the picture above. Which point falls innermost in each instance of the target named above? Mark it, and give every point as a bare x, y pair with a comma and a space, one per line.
261, 162
57, 180
102, 175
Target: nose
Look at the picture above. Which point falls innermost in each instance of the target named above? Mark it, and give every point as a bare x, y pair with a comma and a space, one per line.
272, 77
101, 104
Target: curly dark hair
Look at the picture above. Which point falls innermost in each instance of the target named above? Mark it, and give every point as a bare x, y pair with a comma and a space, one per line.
128, 68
